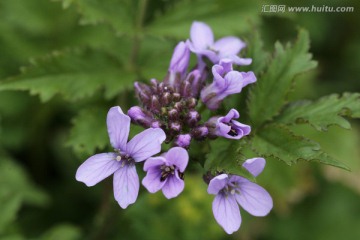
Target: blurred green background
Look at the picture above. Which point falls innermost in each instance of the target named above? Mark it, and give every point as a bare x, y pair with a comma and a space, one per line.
97, 49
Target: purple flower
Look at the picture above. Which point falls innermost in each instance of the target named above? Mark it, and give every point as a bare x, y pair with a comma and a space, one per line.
229, 128
231, 190
166, 172
202, 43
121, 163
180, 59
226, 82
178, 66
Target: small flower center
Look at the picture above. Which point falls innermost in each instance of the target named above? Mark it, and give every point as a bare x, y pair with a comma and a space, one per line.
231, 189
123, 158
166, 171
232, 131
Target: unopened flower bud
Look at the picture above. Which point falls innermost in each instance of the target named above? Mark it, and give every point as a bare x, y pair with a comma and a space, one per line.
173, 114
140, 116
166, 98
155, 124
185, 89
144, 92
178, 106
176, 97
183, 140
191, 103
192, 118
194, 78
199, 133
175, 126
155, 104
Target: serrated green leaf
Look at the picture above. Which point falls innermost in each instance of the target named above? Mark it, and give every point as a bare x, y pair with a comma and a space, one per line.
74, 74
225, 17
89, 131
257, 53
117, 13
328, 110
225, 156
269, 94
279, 142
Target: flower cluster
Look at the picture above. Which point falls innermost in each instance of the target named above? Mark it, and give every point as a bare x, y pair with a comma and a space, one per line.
170, 112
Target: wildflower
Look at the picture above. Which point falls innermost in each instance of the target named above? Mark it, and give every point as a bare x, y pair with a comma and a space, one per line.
202, 43
180, 59
226, 82
228, 127
231, 190
121, 163
166, 172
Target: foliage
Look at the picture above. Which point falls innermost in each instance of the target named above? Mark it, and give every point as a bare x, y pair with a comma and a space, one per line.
84, 57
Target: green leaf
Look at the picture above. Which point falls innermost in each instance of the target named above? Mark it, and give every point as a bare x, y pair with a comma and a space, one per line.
89, 131
328, 110
15, 189
260, 58
269, 94
279, 142
62, 231
226, 156
75, 74
118, 13
225, 17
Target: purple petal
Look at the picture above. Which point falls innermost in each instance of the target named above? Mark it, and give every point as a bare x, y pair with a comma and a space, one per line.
217, 184
241, 129
248, 77
223, 130
118, 125
152, 180
201, 35
227, 213
173, 186
254, 165
240, 61
146, 144
218, 73
180, 58
154, 162
179, 157
226, 63
228, 46
126, 185
253, 198
97, 168
233, 113
234, 83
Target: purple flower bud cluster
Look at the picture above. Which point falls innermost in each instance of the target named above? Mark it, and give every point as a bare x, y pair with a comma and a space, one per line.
171, 111
172, 104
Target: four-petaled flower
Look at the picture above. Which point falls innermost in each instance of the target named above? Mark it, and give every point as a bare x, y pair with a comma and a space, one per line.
229, 128
202, 44
121, 163
226, 82
231, 190
166, 172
